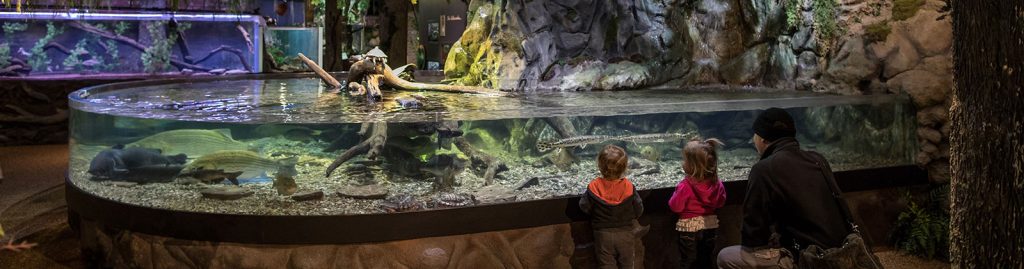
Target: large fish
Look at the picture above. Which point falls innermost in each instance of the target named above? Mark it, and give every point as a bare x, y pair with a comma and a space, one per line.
249, 163
191, 142
118, 163
290, 132
653, 138
580, 141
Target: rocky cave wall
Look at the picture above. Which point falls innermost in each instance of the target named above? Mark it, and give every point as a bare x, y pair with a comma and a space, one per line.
842, 47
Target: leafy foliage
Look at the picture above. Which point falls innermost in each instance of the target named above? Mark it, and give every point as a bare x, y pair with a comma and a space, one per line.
792, 13
924, 230
5, 54
39, 60
825, 24
10, 28
14, 27
157, 57
74, 61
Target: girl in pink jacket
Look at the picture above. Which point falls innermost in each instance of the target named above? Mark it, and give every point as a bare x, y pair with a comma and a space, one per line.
695, 199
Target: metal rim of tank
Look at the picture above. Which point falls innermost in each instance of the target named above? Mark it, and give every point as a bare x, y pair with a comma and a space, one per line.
80, 94
380, 227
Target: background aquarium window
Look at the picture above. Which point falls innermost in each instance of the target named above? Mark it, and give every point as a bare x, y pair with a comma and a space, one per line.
267, 140
44, 43
285, 43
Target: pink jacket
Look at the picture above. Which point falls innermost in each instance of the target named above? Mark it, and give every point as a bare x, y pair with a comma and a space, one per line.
697, 199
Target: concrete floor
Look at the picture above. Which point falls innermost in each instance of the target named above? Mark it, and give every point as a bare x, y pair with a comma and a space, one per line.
32, 208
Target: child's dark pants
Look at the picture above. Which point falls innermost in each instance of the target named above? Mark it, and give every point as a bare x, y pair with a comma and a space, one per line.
697, 248
615, 247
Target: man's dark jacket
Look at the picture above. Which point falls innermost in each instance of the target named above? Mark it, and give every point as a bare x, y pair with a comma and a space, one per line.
786, 189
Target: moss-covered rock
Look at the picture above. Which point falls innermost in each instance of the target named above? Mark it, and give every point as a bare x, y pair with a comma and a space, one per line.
475, 58
877, 32
904, 9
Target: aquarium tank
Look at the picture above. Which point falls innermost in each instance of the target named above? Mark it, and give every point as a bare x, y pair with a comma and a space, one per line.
284, 44
73, 43
290, 146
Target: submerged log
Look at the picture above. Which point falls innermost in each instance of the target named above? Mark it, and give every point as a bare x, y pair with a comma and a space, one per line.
372, 146
326, 77
479, 158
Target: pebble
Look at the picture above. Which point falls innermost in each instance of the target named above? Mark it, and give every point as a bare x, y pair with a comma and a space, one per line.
226, 193
217, 71
372, 191
235, 72
308, 196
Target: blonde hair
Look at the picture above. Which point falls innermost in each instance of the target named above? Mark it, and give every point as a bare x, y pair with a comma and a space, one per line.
700, 158
612, 161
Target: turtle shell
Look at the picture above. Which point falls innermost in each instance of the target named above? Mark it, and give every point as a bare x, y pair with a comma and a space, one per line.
376, 52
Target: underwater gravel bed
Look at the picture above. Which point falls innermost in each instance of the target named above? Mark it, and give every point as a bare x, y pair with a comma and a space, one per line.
735, 165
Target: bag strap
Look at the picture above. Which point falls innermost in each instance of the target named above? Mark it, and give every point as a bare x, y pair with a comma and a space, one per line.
834, 187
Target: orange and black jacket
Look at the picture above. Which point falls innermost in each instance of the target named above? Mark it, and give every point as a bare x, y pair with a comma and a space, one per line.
611, 203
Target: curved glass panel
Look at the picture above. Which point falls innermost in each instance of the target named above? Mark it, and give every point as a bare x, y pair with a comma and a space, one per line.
162, 145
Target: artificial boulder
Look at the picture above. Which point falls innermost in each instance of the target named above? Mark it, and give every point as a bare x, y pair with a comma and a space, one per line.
925, 88
848, 68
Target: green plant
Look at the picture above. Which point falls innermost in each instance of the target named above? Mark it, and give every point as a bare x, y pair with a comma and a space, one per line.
10, 28
73, 61
14, 27
5, 54
877, 32
924, 230
825, 24
792, 13
904, 9
39, 60
121, 27
157, 57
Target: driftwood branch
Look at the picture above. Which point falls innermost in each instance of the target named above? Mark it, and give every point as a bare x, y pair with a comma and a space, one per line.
60, 48
11, 70
373, 82
130, 42
480, 159
372, 147
394, 81
17, 247
27, 117
330, 80
236, 52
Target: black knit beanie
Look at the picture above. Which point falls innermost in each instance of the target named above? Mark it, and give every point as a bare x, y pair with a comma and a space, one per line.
774, 123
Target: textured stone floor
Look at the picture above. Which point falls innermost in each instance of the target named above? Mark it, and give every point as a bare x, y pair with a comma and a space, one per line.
32, 208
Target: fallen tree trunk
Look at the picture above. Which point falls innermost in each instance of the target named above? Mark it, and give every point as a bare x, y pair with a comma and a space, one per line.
326, 77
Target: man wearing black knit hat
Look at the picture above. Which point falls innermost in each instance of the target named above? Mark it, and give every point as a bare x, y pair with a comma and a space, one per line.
789, 203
